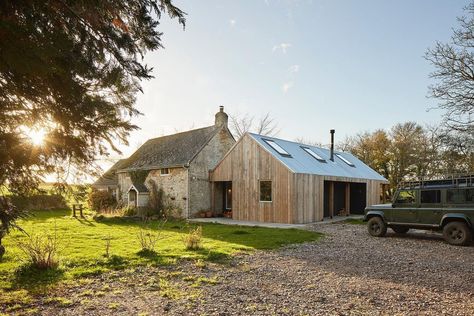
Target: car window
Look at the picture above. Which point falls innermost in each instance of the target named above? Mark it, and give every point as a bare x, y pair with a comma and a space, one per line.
406, 197
469, 195
455, 196
431, 196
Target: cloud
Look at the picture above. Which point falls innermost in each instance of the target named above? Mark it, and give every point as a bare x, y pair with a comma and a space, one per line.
232, 22
294, 69
283, 47
286, 86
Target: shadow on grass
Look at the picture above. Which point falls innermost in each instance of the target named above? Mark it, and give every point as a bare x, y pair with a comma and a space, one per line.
43, 216
84, 221
28, 276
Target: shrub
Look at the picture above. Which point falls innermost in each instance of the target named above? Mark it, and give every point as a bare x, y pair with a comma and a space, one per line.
148, 237
192, 241
101, 201
128, 211
39, 202
41, 251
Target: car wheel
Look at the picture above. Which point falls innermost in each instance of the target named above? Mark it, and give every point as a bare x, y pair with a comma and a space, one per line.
457, 233
400, 229
377, 227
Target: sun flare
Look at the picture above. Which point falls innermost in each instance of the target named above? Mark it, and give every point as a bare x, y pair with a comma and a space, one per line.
36, 136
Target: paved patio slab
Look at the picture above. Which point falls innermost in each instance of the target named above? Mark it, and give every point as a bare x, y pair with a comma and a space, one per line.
229, 221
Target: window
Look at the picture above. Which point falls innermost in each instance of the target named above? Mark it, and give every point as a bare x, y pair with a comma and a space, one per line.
164, 171
431, 196
345, 160
277, 147
406, 197
313, 154
265, 191
455, 196
469, 195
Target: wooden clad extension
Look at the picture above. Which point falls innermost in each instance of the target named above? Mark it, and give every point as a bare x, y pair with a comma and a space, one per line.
296, 197
247, 164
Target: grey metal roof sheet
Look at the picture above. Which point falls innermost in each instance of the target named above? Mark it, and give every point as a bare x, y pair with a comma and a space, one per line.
302, 162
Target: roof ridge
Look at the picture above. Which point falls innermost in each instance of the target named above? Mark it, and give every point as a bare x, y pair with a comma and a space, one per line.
291, 141
179, 133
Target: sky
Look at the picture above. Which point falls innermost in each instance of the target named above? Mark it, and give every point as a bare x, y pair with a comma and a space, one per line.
313, 65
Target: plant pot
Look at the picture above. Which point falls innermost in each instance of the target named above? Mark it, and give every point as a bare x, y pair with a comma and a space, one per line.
208, 214
202, 214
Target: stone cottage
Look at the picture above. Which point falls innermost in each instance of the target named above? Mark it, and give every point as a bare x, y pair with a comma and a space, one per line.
178, 163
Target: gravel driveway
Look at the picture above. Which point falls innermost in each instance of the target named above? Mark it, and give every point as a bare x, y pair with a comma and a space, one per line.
346, 273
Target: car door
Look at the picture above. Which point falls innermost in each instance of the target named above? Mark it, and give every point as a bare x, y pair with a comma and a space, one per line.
430, 211
405, 207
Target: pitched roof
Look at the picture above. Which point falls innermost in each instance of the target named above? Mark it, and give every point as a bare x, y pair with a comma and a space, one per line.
171, 150
139, 187
110, 176
300, 161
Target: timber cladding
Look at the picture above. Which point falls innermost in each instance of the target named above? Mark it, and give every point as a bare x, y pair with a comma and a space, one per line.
296, 197
246, 165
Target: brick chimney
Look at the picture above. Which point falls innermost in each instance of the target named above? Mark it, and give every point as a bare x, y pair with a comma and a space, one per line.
221, 117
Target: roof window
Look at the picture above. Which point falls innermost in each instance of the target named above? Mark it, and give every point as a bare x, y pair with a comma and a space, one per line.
277, 148
345, 160
313, 154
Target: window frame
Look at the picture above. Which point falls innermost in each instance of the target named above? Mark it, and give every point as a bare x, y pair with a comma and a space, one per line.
260, 191
165, 174
313, 154
283, 152
415, 202
438, 196
344, 159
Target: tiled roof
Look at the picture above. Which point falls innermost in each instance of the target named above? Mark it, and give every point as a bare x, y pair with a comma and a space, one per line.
170, 151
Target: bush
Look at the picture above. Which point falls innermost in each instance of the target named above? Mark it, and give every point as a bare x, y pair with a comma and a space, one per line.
192, 241
39, 202
101, 201
41, 251
128, 211
148, 237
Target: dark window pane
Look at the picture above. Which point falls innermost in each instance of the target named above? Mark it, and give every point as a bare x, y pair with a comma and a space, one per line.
455, 196
406, 197
432, 196
470, 195
265, 191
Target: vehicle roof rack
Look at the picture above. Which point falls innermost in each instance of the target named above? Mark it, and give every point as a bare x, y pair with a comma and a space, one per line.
451, 181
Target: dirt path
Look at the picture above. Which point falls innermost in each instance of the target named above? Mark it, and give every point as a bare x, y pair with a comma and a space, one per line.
346, 273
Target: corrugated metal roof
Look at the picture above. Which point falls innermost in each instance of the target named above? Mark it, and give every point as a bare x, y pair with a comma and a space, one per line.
302, 162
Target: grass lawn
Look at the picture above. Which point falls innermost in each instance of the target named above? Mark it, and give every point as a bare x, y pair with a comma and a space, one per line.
83, 244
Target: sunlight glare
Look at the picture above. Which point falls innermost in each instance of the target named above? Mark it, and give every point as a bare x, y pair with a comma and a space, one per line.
36, 136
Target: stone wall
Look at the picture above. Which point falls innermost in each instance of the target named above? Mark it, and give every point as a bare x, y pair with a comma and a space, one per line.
207, 159
124, 183
174, 185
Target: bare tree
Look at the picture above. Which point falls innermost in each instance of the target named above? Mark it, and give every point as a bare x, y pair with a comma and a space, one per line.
454, 76
241, 124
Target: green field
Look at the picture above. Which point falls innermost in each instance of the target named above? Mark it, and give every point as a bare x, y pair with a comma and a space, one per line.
83, 244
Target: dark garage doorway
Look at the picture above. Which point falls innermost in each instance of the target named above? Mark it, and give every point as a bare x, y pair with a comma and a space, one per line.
358, 200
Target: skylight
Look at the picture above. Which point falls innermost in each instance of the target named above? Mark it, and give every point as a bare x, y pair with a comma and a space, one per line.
313, 154
277, 147
345, 160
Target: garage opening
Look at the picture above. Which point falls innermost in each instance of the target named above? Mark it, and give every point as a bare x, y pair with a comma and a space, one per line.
344, 198
358, 198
